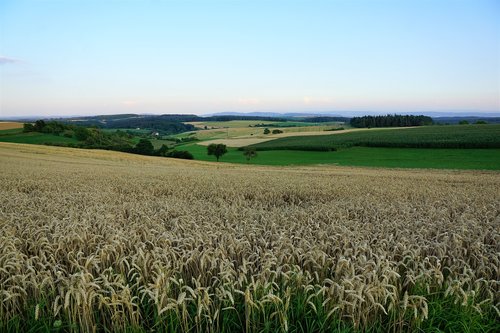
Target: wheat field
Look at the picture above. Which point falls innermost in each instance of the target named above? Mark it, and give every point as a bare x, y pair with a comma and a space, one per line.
5, 125
104, 241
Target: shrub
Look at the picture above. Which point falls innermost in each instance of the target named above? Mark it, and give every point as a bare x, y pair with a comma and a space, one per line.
162, 151
27, 127
68, 133
249, 153
81, 133
184, 154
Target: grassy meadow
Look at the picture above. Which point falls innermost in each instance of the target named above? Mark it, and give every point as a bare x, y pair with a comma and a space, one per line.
487, 159
106, 241
437, 147
393, 148
17, 135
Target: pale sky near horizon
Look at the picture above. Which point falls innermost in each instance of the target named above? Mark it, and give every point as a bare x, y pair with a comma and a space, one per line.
103, 57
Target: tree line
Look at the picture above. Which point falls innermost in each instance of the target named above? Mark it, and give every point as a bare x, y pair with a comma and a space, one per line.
391, 121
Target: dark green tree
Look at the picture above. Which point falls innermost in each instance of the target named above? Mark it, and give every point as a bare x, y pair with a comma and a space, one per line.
81, 133
144, 147
39, 125
163, 150
217, 150
27, 127
266, 131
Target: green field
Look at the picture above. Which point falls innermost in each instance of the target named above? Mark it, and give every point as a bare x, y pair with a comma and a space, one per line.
458, 136
33, 137
486, 159
10, 131
157, 143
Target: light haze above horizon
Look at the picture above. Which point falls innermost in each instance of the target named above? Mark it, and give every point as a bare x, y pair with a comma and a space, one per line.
105, 57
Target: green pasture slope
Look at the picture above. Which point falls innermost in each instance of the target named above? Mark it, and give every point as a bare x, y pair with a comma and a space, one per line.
11, 131
480, 159
457, 136
18, 136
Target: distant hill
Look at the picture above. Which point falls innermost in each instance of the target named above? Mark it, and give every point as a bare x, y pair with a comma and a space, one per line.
470, 119
165, 124
350, 114
276, 114
155, 121
119, 119
176, 123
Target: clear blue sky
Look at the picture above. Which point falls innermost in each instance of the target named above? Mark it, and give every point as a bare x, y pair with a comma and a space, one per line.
102, 57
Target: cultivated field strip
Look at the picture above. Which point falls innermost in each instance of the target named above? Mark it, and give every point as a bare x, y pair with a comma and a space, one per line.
6, 125
95, 240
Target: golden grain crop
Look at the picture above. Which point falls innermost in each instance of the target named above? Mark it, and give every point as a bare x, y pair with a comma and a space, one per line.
5, 125
94, 238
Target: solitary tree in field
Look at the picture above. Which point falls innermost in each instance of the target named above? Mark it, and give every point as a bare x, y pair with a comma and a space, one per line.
266, 131
217, 150
250, 153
